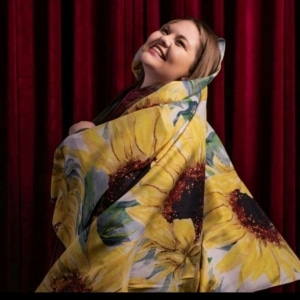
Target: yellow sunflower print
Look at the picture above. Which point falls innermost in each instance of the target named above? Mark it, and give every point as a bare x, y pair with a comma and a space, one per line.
239, 237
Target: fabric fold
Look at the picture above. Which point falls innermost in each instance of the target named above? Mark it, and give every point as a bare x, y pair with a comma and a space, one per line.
150, 202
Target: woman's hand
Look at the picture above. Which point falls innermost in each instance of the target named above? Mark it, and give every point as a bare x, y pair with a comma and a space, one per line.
80, 126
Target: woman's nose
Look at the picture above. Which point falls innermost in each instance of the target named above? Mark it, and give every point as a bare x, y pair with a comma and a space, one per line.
165, 40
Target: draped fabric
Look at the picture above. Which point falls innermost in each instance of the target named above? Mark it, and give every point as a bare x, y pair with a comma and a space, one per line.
63, 61
150, 202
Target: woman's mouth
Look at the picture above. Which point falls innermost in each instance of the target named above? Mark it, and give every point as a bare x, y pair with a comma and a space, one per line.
158, 51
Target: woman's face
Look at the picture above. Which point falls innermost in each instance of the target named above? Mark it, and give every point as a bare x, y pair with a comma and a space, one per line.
169, 53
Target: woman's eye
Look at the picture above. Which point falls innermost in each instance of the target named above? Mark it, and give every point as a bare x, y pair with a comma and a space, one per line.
164, 31
181, 43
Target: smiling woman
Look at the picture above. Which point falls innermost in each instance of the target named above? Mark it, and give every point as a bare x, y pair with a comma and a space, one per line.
191, 52
169, 53
147, 199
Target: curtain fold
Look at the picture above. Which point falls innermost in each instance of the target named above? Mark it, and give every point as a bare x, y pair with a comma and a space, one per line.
289, 124
59, 61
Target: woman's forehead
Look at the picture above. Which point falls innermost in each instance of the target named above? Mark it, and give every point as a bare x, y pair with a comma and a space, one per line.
186, 28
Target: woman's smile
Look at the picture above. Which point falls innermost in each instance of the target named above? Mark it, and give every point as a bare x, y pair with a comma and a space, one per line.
157, 51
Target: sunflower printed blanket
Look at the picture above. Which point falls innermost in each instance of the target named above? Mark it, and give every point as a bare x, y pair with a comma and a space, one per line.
150, 202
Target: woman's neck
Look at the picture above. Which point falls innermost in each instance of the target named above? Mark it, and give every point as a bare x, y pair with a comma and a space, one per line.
151, 84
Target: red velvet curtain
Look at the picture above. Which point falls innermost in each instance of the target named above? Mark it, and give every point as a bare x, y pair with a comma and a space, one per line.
63, 61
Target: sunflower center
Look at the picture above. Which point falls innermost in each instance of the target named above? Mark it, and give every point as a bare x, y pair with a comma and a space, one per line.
121, 182
69, 283
186, 198
253, 218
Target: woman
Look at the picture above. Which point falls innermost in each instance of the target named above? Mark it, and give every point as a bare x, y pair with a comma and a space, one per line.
147, 199
180, 50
